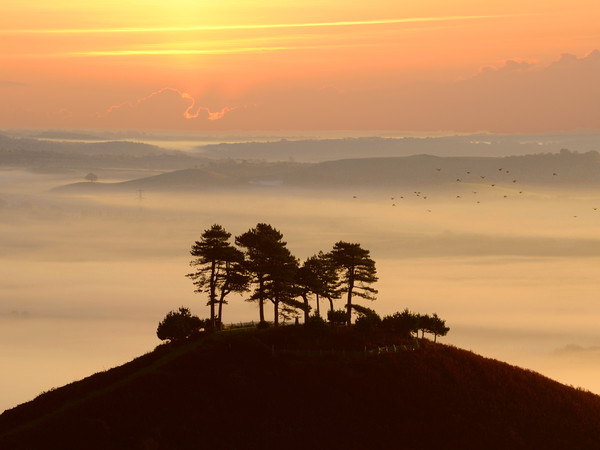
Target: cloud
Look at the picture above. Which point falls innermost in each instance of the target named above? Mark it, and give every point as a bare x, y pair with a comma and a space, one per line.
266, 26
517, 96
507, 66
514, 95
165, 107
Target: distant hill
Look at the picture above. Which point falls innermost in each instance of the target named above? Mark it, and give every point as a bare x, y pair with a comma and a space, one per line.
288, 388
558, 169
38, 154
319, 150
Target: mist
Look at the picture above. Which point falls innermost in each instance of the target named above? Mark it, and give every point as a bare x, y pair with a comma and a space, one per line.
87, 278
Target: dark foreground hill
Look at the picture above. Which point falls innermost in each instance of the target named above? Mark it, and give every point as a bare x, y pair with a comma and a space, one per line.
275, 389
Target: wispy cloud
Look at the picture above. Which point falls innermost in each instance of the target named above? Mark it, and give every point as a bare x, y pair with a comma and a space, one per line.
342, 23
179, 52
192, 111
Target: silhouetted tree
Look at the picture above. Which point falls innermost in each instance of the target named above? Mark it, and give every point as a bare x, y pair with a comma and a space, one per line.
91, 177
280, 286
318, 276
403, 323
271, 266
220, 269
178, 325
356, 270
434, 325
367, 319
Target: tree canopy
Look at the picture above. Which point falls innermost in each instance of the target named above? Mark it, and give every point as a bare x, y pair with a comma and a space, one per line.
178, 325
264, 266
356, 270
271, 266
219, 269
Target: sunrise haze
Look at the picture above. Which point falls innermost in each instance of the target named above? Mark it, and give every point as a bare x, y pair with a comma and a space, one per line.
430, 65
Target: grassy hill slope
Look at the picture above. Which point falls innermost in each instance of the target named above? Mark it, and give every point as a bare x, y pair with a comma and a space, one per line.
285, 388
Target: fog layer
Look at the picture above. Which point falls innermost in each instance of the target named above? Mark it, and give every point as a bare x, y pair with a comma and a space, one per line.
86, 278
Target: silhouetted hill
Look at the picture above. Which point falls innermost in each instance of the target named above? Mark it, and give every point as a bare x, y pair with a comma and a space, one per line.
564, 168
558, 169
284, 388
210, 175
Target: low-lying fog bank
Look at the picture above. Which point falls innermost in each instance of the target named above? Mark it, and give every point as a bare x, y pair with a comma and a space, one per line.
86, 279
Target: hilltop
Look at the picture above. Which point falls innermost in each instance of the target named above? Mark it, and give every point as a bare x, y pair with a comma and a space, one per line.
293, 387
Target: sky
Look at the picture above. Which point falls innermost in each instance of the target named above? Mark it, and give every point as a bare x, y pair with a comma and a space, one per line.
499, 66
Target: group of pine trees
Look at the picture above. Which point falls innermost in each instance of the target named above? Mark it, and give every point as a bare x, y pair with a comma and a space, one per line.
259, 263
263, 265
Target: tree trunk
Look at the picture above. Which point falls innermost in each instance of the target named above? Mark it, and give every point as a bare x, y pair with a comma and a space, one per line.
305, 298
330, 303
349, 303
212, 295
261, 300
318, 307
261, 310
220, 314
275, 313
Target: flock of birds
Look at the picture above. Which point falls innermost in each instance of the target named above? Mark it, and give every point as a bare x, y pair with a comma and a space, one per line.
507, 187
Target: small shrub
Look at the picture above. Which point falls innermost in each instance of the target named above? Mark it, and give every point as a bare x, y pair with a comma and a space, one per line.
178, 325
337, 317
263, 324
368, 322
315, 323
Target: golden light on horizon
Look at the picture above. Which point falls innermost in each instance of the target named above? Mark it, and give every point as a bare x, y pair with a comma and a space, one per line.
271, 54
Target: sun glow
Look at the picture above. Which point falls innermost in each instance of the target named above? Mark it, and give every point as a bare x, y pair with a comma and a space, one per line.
267, 26
278, 55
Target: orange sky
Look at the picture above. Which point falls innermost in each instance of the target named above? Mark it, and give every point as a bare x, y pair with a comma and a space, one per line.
272, 65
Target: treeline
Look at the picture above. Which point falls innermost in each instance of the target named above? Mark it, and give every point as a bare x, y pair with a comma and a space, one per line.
259, 263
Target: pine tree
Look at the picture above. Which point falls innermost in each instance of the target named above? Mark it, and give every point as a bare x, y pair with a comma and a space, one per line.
356, 270
271, 266
317, 276
220, 269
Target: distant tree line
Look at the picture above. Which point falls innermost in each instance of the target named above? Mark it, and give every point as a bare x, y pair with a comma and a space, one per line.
261, 265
